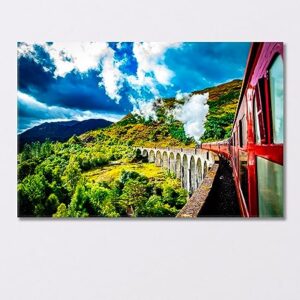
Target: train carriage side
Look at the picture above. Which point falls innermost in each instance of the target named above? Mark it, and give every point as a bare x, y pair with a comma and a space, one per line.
264, 95
255, 147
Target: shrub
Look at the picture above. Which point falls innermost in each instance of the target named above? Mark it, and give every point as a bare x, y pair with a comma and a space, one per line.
62, 211
97, 197
78, 205
26, 168
169, 196
127, 175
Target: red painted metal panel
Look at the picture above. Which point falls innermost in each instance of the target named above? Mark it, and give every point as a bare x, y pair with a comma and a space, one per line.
260, 58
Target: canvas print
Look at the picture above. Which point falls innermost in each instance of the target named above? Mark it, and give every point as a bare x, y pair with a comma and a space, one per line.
150, 129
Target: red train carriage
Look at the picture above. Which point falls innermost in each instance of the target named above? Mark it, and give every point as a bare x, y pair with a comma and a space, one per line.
255, 147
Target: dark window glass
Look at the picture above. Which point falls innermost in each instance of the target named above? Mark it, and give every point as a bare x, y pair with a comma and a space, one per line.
242, 131
243, 157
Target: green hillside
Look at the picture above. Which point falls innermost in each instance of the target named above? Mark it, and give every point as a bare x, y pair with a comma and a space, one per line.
100, 174
136, 131
223, 101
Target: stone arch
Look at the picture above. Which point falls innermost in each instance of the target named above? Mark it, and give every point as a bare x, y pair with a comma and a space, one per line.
185, 172
138, 152
204, 169
151, 156
198, 172
193, 184
172, 163
165, 160
145, 153
178, 166
158, 160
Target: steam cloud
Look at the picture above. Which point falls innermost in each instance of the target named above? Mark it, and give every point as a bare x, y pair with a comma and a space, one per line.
145, 109
192, 114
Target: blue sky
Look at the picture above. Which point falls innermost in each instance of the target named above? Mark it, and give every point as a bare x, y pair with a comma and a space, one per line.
67, 81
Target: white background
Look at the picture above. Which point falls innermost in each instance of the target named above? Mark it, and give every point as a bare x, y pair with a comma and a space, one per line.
148, 259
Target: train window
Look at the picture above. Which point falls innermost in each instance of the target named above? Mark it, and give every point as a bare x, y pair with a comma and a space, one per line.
276, 92
243, 173
256, 124
270, 188
242, 132
236, 137
260, 102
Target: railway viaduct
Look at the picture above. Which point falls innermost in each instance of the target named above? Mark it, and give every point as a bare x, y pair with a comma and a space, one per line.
189, 165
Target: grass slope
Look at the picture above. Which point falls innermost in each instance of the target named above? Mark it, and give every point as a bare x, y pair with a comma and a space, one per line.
111, 172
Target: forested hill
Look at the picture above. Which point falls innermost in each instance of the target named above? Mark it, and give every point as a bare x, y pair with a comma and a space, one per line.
59, 131
168, 132
223, 100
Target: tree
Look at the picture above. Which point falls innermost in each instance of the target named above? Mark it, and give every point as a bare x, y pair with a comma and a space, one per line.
155, 207
108, 209
25, 206
26, 168
62, 211
46, 149
78, 205
51, 205
169, 195
75, 140
133, 197
72, 174
182, 198
97, 197
33, 194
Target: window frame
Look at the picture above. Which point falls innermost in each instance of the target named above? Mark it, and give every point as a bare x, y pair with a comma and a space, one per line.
261, 111
242, 132
271, 128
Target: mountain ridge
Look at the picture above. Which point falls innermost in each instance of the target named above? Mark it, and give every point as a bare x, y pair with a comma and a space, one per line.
59, 131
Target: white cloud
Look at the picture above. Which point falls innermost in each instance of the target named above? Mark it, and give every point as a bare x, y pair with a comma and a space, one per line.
76, 56
119, 45
162, 74
192, 114
25, 49
82, 57
68, 56
112, 77
151, 68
